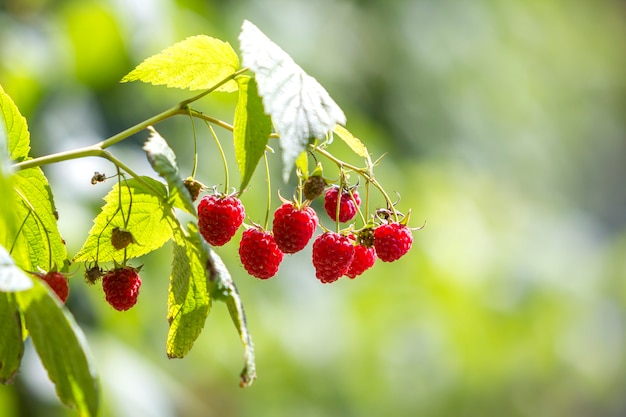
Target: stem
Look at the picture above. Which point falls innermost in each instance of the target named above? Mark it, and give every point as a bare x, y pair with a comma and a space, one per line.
269, 192
195, 145
219, 146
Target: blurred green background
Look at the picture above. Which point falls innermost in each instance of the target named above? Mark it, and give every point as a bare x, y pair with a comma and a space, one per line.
504, 127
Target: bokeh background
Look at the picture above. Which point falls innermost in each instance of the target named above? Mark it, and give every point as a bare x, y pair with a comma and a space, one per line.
504, 128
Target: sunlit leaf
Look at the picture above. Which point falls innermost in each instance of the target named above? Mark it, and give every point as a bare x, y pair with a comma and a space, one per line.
148, 219
11, 343
300, 107
223, 288
252, 128
188, 301
62, 347
163, 160
352, 141
12, 278
16, 128
302, 163
197, 63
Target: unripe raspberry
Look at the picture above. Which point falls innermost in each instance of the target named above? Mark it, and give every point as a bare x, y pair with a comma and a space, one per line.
293, 227
120, 238
121, 287
57, 282
194, 187
347, 207
313, 187
259, 253
392, 241
332, 255
219, 217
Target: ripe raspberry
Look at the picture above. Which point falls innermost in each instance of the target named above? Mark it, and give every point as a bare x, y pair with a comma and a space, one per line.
313, 187
259, 253
219, 217
332, 255
392, 241
293, 228
364, 259
57, 282
347, 208
121, 287
120, 238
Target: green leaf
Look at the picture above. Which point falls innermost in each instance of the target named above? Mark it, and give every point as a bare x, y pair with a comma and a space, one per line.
302, 163
352, 141
197, 63
188, 301
163, 161
12, 278
62, 348
11, 342
300, 107
16, 128
142, 205
223, 288
40, 237
252, 128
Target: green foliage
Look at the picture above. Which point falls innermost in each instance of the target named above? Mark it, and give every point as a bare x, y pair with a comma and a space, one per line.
15, 127
352, 141
11, 345
197, 63
188, 302
252, 128
62, 348
163, 160
137, 205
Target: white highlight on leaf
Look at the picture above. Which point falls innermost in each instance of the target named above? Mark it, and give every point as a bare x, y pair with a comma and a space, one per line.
300, 107
11, 277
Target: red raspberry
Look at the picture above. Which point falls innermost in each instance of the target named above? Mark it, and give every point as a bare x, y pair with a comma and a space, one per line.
347, 208
259, 253
219, 217
364, 259
293, 228
58, 283
121, 287
332, 255
392, 241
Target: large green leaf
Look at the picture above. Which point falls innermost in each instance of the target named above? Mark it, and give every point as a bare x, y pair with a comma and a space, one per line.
143, 205
11, 343
62, 348
16, 128
163, 160
188, 302
197, 63
35, 208
252, 128
223, 288
300, 107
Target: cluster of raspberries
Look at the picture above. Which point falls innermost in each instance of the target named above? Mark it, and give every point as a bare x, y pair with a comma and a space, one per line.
334, 255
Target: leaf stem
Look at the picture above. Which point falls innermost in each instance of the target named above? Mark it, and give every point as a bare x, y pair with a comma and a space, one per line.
219, 147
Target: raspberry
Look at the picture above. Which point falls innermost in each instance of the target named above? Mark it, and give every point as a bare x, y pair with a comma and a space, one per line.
194, 187
120, 238
293, 227
313, 187
347, 208
332, 255
57, 282
121, 287
363, 260
219, 217
259, 253
392, 241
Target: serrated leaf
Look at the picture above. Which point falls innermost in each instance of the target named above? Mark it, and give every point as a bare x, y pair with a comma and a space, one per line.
16, 128
149, 221
223, 288
163, 161
197, 63
11, 342
12, 278
252, 128
35, 209
188, 301
352, 141
300, 107
62, 349
302, 163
